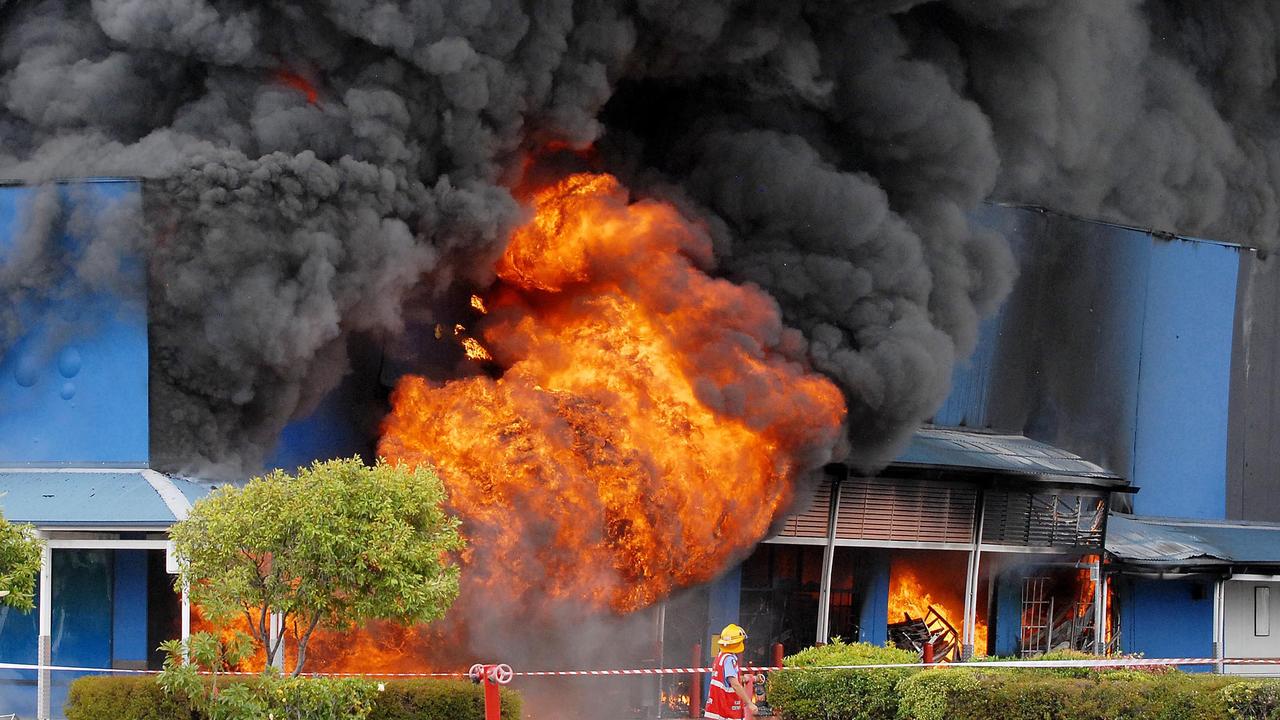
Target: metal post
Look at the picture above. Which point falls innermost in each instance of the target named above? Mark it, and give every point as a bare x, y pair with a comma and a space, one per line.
695, 684
492, 699
828, 559
1100, 638
660, 679
186, 612
1219, 626
44, 691
276, 633
778, 652
971, 583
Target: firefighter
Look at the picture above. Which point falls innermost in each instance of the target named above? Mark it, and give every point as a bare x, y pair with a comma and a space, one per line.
728, 697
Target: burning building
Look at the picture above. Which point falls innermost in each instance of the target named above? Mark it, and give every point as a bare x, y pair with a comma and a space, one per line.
653, 282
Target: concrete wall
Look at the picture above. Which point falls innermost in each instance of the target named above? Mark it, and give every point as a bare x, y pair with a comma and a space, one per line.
73, 383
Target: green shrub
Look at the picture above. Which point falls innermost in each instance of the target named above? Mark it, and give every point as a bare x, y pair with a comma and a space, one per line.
439, 700
840, 694
1036, 694
141, 698
930, 695
127, 698
1253, 700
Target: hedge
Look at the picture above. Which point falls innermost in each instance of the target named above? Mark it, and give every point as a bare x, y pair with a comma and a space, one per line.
975, 692
140, 698
840, 694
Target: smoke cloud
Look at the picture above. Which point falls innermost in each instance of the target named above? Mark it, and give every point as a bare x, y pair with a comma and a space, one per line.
311, 165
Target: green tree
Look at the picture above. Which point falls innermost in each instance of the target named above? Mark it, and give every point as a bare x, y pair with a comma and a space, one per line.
20, 552
338, 544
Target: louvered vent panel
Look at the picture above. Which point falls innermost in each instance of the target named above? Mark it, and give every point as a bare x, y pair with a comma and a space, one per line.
909, 510
811, 522
1044, 519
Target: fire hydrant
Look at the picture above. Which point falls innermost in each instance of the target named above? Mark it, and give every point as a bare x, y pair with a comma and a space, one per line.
492, 676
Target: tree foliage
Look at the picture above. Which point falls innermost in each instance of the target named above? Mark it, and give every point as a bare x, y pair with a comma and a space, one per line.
337, 544
20, 552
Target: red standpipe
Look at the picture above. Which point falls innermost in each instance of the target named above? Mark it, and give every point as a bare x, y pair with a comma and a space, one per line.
492, 701
926, 655
695, 684
777, 654
492, 676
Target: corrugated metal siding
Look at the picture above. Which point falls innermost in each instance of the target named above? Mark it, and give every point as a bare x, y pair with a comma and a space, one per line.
905, 510
812, 521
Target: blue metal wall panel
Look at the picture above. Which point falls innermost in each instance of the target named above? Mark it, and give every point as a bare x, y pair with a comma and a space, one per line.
1180, 447
873, 624
73, 387
1008, 613
1059, 362
129, 609
18, 634
723, 606
1166, 618
725, 600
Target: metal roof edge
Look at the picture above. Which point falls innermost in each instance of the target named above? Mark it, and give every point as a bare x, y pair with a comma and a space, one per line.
1198, 522
1167, 235
169, 493
1114, 483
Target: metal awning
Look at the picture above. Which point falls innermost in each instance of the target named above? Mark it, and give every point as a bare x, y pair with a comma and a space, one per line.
96, 497
972, 452
1179, 542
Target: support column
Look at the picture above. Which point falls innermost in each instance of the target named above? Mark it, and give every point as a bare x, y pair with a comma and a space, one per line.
828, 559
276, 630
1219, 626
44, 690
1100, 638
971, 582
186, 612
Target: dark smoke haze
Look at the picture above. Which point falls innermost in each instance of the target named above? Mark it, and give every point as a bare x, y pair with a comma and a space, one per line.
835, 148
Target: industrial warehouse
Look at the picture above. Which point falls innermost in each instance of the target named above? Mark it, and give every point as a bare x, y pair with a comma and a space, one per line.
987, 535
702, 358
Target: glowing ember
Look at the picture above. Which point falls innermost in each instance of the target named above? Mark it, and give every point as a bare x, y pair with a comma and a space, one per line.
474, 350
918, 582
650, 420
477, 303
299, 83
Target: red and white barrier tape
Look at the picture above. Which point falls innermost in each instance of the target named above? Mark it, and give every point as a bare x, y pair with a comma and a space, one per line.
1111, 663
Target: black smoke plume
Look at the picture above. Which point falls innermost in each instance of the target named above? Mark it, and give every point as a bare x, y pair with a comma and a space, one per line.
312, 165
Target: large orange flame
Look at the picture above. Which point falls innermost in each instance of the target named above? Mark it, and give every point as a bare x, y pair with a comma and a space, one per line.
650, 420
917, 582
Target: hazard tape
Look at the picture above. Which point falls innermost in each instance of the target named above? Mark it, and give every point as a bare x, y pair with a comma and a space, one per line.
1026, 664
120, 671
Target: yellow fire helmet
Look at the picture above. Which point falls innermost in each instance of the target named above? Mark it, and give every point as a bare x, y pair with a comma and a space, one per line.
733, 639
